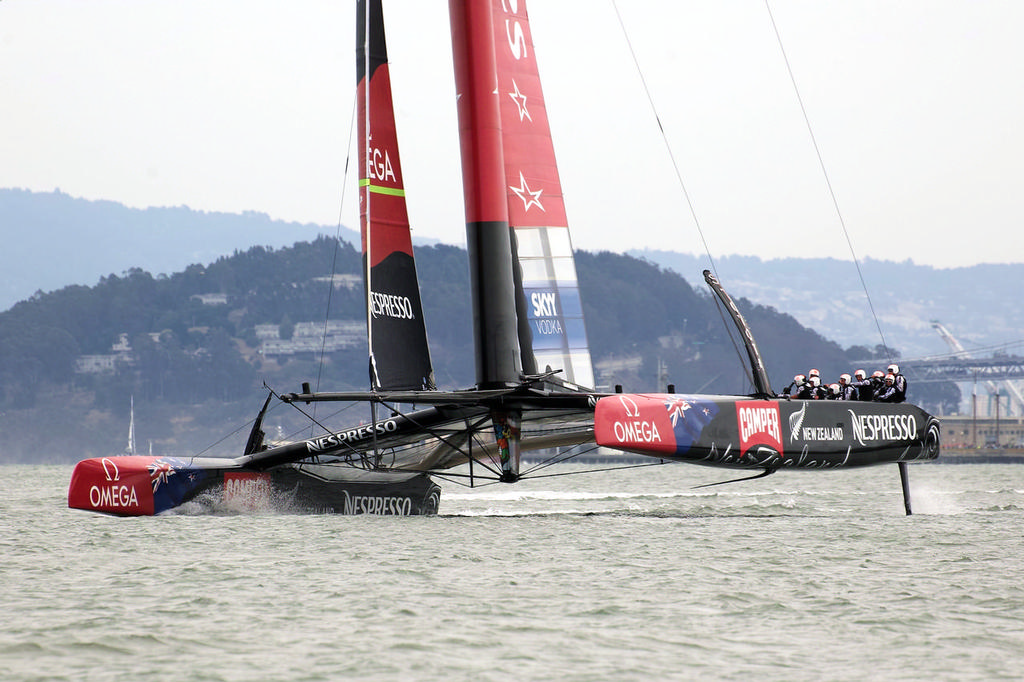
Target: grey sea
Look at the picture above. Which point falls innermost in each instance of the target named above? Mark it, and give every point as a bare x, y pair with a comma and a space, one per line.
624, 575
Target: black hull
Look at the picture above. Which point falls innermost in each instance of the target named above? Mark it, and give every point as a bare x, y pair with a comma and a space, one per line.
747, 433
145, 486
337, 489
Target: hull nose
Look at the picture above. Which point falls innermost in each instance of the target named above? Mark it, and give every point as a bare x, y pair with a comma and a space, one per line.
115, 485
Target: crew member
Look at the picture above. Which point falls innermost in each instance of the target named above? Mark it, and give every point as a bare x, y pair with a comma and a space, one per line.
794, 387
877, 380
862, 386
813, 388
899, 381
888, 393
817, 391
846, 388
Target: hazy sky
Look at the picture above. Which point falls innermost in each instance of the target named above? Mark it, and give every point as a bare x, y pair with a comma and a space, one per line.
247, 105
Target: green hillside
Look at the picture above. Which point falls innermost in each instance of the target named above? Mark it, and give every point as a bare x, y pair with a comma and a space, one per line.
190, 345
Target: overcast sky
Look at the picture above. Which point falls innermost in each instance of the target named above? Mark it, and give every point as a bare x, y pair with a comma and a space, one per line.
236, 105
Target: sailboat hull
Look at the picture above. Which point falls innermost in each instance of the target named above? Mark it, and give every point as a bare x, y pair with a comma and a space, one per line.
145, 486
747, 433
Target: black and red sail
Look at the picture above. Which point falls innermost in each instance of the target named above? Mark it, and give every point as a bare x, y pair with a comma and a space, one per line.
399, 355
514, 202
527, 314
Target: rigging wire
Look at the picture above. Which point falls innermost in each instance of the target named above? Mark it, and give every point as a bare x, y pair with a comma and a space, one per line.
618, 467
814, 142
682, 185
334, 259
664, 137
824, 172
245, 425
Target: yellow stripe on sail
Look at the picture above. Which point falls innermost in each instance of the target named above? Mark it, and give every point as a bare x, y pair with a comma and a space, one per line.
378, 189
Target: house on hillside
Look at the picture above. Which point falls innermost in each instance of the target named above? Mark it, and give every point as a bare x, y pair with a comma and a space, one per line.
312, 337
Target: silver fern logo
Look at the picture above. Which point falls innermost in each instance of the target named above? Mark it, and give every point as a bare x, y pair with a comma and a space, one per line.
796, 420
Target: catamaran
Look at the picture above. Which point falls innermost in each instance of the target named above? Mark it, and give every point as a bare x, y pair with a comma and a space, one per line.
534, 379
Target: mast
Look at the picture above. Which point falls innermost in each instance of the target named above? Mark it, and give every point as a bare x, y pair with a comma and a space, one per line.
488, 234
364, 68
131, 427
488, 239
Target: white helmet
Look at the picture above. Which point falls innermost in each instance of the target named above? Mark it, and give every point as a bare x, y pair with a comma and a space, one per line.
890, 377
878, 375
814, 373
893, 368
834, 389
860, 374
799, 379
815, 381
844, 379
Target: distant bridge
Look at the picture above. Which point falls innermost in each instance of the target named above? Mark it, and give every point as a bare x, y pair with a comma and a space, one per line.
997, 377
964, 369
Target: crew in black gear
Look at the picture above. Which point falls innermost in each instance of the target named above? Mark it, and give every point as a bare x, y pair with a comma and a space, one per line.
794, 387
862, 386
815, 391
888, 393
847, 391
899, 381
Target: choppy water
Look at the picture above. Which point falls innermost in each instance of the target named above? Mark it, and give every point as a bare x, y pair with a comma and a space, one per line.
630, 575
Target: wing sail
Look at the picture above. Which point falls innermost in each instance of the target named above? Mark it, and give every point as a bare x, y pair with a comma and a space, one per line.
551, 329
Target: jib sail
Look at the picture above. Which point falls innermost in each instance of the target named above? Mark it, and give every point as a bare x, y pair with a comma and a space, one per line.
399, 355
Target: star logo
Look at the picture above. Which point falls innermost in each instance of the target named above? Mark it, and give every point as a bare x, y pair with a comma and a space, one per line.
520, 100
529, 197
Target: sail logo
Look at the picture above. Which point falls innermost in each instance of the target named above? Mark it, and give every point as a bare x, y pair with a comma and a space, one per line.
514, 30
545, 313
884, 427
528, 196
548, 327
336, 440
390, 305
378, 165
759, 424
520, 101
544, 304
